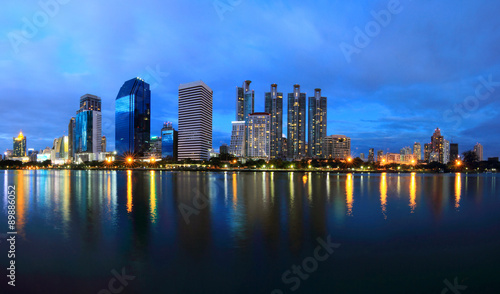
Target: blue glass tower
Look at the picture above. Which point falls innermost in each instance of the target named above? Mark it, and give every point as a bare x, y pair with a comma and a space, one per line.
133, 117
168, 141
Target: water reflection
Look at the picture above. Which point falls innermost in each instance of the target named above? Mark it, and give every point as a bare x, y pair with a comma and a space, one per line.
349, 194
458, 189
413, 192
383, 193
152, 196
129, 191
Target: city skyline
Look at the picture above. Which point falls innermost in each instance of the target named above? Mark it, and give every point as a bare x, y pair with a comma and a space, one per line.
382, 98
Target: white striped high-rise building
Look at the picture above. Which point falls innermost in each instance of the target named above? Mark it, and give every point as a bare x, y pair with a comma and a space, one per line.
237, 147
195, 121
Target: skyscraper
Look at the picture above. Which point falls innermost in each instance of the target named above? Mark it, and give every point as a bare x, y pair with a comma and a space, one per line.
437, 142
19, 144
417, 151
371, 155
446, 152
427, 151
453, 152
380, 155
274, 106
169, 141
71, 138
133, 118
244, 101
316, 125
296, 137
87, 135
195, 121
237, 145
478, 149
258, 128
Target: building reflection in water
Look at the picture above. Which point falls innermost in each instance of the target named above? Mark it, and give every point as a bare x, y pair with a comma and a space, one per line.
349, 191
129, 191
413, 192
458, 189
152, 196
383, 193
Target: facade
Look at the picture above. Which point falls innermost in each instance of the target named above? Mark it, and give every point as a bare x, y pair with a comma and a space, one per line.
296, 138
195, 121
169, 141
237, 145
417, 151
371, 155
380, 155
133, 118
244, 101
155, 147
87, 133
259, 129
316, 125
103, 144
71, 138
478, 149
337, 147
404, 151
407, 158
446, 151
274, 106
427, 151
224, 149
60, 150
437, 142
19, 144
362, 156
454, 152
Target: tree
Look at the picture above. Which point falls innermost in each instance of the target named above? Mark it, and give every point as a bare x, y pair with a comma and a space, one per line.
470, 157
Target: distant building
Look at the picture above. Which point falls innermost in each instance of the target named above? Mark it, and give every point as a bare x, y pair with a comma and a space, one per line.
403, 152
224, 149
337, 147
380, 155
446, 152
19, 144
362, 156
427, 151
407, 158
296, 137
169, 141
103, 144
417, 151
71, 138
60, 150
195, 121
371, 154
155, 147
284, 144
437, 142
274, 106
258, 128
133, 118
237, 146
317, 121
244, 101
478, 149
454, 155
87, 133
8, 154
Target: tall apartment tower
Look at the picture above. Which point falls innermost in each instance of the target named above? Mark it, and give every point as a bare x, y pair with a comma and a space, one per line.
454, 151
316, 124
88, 126
274, 106
244, 101
237, 146
478, 149
417, 151
195, 121
437, 142
133, 118
258, 128
296, 138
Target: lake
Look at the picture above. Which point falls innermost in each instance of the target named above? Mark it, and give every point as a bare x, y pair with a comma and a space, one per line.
252, 232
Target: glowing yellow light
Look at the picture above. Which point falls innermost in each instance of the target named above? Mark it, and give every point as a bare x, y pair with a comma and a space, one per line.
459, 163
349, 187
349, 159
130, 159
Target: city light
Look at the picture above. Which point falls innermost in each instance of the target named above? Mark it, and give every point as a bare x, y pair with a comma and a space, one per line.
130, 160
349, 159
459, 163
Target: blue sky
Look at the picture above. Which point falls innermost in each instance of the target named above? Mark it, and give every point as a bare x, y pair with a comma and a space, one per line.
417, 65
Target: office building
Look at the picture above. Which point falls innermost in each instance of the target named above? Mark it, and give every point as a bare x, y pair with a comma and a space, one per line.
427, 152
437, 142
87, 133
478, 149
19, 144
417, 151
195, 121
155, 148
380, 155
133, 118
224, 149
237, 145
446, 151
296, 138
169, 141
258, 130
244, 101
454, 155
337, 147
362, 156
317, 121
274, 106
371, 155
103, 144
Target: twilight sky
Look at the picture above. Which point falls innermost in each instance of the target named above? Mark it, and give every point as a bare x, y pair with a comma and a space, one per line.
392, 70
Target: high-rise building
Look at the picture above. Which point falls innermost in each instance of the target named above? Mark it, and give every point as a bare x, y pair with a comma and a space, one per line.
244, 101
19, 144
71, 138
195, 121
103, 144
437, 142
60, 150
237, 145
478, 149
296, 130
337, 147
404, 152
454, 152
155, 147
417, 151
317, 121
258, 129
427, 151
362, 156
274, 106
380, 155
133, 118
87, 135
446, 151
169, 141
371, 155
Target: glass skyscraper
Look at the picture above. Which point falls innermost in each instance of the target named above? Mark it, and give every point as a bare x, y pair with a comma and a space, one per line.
317, 122
133, 117
19, 145
244, 101
296, 138
274, 106
87, 133
168, 141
